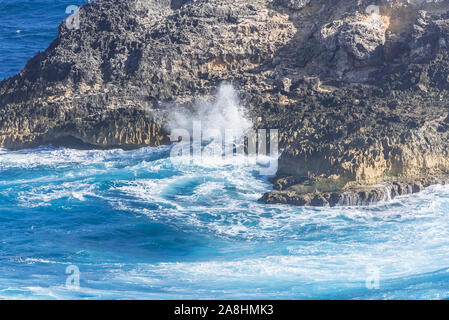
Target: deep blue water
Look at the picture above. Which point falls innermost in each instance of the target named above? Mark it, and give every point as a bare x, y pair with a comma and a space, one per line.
26, 27
138, 225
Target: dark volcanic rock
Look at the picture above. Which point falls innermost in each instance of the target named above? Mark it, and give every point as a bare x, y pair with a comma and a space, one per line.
358, 92
108, 82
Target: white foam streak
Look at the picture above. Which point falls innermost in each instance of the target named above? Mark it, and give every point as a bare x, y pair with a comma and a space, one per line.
218, 199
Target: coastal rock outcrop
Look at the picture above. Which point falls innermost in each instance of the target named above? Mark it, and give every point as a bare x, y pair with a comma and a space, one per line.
358, 89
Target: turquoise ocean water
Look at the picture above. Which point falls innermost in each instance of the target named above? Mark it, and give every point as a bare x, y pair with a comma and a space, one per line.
137, 225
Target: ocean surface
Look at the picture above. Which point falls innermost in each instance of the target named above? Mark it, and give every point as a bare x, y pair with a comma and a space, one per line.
137, 224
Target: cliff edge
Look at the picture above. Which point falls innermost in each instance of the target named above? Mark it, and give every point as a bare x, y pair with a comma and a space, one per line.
358, 89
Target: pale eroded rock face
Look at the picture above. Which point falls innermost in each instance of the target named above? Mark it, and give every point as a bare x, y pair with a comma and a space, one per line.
359, 98
362, 38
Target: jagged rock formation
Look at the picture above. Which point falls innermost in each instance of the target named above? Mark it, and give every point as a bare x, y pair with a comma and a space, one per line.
358, 89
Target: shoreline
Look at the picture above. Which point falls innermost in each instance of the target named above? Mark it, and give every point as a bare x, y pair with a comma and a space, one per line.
285, 191
355, 196
358, 96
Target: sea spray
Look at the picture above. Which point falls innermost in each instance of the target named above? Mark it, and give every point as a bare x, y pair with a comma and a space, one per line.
225, 112
220, 130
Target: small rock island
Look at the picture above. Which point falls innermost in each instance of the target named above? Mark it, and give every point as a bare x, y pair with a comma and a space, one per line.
359, 90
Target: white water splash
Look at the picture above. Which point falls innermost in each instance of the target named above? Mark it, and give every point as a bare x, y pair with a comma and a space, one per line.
225, 112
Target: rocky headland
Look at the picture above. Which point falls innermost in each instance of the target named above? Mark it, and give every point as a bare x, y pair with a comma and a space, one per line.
359, 90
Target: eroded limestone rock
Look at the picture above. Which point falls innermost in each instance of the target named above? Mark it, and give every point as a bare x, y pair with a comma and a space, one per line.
360, 98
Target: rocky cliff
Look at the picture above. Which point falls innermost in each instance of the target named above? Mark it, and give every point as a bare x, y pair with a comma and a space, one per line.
358, 89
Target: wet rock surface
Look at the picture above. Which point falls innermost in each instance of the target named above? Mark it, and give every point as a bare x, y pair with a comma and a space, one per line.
352, 196
358, 92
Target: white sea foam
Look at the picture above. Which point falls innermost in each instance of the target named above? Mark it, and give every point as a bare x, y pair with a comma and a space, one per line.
230, 194
64, 157
404, 238
310, 274
45, 195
